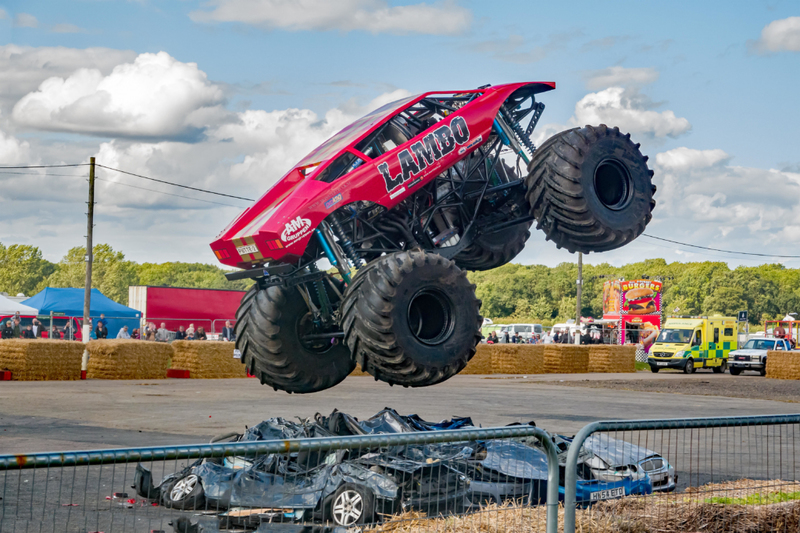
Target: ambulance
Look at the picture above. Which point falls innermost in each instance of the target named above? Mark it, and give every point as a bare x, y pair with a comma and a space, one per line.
689, 343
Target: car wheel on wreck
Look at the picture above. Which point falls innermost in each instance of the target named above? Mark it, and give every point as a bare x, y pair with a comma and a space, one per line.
590, 189
413, 320
352, 505
185, 493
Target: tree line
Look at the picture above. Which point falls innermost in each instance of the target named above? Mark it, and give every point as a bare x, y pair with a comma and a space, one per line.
536, 293
24, 270
524, 293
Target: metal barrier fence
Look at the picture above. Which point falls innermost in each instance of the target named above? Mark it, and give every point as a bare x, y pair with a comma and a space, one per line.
439, 480
707, 474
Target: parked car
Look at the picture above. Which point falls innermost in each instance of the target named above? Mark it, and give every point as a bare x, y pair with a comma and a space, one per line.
526, 331
753, 355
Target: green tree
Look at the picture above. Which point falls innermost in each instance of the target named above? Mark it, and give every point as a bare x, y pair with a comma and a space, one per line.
22, 269
191, 275
111, 272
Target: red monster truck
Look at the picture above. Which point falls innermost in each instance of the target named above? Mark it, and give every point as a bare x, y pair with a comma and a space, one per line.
412, 196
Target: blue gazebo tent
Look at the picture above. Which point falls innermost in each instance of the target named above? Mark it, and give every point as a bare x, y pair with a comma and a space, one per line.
69, 302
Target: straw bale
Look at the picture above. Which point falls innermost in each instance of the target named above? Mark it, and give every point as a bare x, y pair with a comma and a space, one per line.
41, 359
783, 365
566, 359
481, 362
612, 358
518, 359
207, 359
128, 359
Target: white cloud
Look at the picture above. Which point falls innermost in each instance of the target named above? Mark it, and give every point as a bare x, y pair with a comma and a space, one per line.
373, 16
25, 68
13, 151
155, 96
66, 28
683, 159
780, 35
620, 77
3, 14
25, 20
631, 111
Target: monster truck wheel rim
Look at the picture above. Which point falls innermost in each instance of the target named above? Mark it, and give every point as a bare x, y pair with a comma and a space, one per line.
613, 184
311, 337
348, 508
430, 316
183, 488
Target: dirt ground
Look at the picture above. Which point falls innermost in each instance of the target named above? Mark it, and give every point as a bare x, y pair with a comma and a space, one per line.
757, 389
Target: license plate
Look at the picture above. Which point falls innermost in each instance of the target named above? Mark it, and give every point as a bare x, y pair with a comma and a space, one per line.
249, 249
662, 364
607, 494
742, 358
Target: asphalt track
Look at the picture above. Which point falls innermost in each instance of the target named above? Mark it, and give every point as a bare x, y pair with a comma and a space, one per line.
79, 415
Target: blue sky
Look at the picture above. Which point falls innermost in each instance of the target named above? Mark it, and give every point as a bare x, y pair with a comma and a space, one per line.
708, 88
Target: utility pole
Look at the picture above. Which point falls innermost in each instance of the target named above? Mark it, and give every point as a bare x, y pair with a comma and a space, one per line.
578, 303
87, 295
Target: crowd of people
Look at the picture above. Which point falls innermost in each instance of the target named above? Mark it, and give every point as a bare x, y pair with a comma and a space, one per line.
589, 336
13, 329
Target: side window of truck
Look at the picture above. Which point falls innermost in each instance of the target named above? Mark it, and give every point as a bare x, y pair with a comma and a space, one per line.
728, 332
698, 338
779, 345
716, 335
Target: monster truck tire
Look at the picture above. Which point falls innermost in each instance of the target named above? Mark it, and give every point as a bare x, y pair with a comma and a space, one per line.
411, 318
492, 250
268, 325
590, 189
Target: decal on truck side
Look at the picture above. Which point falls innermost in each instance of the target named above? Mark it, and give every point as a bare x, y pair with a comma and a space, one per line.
430, 149
295, 229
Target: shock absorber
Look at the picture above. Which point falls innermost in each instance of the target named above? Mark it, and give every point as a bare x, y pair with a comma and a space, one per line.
324, 301
347, 245
518, 131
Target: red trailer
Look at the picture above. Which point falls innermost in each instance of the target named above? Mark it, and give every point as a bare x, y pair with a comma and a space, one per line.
178, 306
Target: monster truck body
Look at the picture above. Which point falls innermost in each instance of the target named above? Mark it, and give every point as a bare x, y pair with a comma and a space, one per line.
279, 226
410, 196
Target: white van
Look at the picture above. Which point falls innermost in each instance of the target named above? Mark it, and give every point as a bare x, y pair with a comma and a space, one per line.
526, 331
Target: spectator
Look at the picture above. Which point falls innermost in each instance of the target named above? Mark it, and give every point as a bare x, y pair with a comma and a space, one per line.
514, 338
16, 317
102, 320
135, 334
37, 329
101, 331
180, 334
190, 333
150, 332
123, 333
28, 333
201, 334
506, 338
69, 331
227, 332
162, 334
8, 331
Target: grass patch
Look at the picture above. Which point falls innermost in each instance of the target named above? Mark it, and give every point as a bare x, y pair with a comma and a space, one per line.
757, 499
642, 366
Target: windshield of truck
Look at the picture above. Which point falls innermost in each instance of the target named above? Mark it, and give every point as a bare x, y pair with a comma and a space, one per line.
678, 336
760, 344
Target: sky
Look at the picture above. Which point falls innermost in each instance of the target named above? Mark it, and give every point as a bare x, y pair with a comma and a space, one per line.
227, 95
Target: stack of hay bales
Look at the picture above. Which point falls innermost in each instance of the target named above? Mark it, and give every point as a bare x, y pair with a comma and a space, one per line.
41, 360
518, 358
612, 358
207, 360
128, 359
481, 362
566, 359
783, 365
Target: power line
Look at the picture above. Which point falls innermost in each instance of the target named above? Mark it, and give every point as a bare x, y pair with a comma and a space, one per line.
45, 166
177, 184
719, 250
44, 175
162, 192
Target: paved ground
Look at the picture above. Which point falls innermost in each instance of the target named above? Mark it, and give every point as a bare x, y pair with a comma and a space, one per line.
47, 416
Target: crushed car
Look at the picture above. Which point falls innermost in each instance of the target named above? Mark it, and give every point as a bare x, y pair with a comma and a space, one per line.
350, 487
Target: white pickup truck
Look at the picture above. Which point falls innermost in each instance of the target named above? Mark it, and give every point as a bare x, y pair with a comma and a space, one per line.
753, 355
